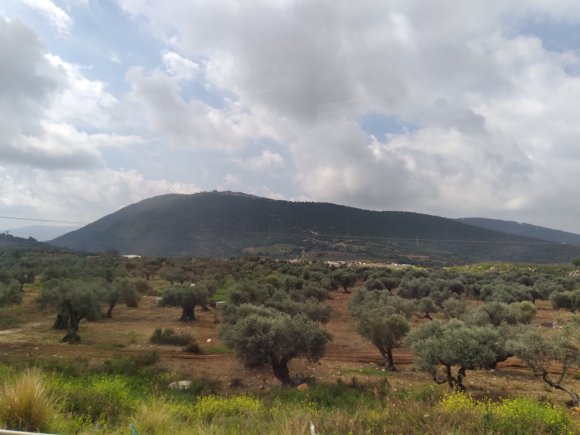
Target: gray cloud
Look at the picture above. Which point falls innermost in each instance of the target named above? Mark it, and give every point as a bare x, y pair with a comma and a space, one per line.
27, 79
490, 107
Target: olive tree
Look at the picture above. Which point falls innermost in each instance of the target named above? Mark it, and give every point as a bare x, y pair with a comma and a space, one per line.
291, 301
569, 300
186, 297
74, 301
496, 313
122, 290
345, 279
453, 344
263, 335
544, 353
10, 293
384, 328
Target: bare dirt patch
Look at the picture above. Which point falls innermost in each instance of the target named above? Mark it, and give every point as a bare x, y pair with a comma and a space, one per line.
347, 356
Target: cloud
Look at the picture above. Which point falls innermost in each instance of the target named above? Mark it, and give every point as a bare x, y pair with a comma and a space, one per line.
493, 109
27, 79
77, 195
265, 161
156, 97
178, 66
55, 15
46, 106
81, 102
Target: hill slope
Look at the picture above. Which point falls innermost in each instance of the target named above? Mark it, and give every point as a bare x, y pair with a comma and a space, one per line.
524, 230
40, 232
232, 224
9, 242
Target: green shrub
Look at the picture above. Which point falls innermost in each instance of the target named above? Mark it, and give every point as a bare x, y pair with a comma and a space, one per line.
10, 294
26, 404
11, 317
169, 336
526, 416
193, 348
209, 407
130, 364
104, 399
510, 416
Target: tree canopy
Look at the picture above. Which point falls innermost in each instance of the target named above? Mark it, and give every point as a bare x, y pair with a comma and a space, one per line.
267, 336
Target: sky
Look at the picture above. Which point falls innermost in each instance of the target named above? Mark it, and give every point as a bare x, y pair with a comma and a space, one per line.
445, 107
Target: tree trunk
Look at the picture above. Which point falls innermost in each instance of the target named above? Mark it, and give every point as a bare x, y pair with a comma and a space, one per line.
280, 369
388, 355
575, 402
110, 310
449, 376
459, 380
72, 336
61, 322
188, 313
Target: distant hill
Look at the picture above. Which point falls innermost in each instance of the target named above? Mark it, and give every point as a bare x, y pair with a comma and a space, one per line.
41, 233
8, 241
524, 230
233, 224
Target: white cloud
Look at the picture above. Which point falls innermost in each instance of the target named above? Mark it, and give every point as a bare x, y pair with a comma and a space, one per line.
57, 16
77, 195
47, 106
178, 66
489, 114
82, 102
265, 161
491, 111
156, 97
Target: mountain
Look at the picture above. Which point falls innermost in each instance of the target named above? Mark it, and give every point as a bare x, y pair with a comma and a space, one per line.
233, 224
8, 242
524, 230
41, 233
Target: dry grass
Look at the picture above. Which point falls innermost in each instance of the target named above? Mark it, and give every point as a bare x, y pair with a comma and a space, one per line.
155, 418
26, 404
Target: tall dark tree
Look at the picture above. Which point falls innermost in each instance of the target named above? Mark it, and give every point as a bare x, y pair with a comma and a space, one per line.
74, 301
186, 297
345, 279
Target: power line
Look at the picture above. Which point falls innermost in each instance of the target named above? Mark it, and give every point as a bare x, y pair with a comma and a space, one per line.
17, 218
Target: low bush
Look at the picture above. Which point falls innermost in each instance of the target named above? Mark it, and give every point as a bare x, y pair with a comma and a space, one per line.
210, 407
130, 364
97, 398
509, 416
193, 348
170, 337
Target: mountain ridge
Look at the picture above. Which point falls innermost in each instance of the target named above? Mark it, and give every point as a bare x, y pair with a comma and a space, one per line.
524, 229
232, 224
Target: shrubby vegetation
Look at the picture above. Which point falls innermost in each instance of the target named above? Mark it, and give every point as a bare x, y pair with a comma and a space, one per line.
89, 402
454, 320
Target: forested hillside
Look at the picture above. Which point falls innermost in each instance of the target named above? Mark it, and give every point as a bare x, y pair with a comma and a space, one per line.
232, 224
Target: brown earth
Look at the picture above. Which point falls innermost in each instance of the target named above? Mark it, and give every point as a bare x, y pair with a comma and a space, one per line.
348, 355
